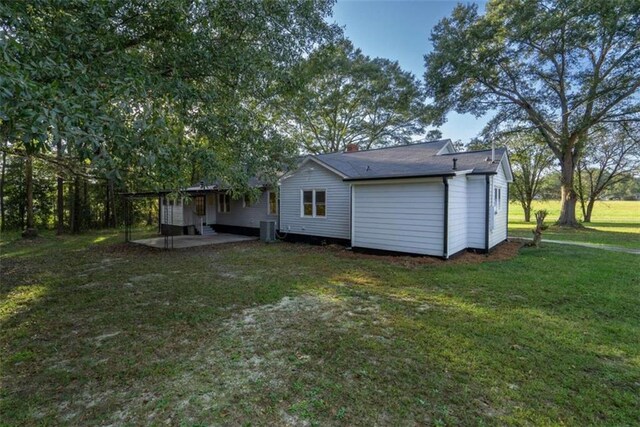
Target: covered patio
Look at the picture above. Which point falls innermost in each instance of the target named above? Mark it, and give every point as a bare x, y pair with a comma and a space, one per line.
190, 241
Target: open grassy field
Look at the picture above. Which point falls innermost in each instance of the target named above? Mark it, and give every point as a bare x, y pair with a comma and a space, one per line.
95, 332
613, 223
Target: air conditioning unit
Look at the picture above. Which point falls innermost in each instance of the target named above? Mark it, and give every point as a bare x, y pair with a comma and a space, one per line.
268, 231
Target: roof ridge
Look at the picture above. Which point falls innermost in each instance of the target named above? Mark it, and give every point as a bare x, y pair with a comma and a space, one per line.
472, 151
384, 148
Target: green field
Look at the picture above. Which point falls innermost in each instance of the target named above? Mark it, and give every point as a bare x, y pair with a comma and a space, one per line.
614, 223
95, 332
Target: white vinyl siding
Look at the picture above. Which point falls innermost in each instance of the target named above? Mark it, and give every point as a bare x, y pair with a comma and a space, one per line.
476, 203
402, 217
247, 216
499, 231
189, 216
457, 214
309, 177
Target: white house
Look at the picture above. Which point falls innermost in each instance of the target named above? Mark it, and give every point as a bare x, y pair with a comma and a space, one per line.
210, 209
422, 199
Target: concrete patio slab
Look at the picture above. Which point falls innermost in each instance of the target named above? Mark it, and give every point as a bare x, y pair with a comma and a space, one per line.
180, 242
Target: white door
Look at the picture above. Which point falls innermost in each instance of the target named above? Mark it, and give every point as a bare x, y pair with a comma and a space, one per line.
211, 208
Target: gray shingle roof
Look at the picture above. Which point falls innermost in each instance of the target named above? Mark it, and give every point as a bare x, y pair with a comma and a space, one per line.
409, 161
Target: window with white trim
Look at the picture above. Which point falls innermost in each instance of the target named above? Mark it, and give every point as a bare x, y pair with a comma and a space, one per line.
224, 203
497, 199
272, 208
246, 202
314, 203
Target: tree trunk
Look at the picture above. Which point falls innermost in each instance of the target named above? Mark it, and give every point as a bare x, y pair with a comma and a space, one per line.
60, 195
30, 230
114, 207
86, 210
60, 206
569, 197
3, 226
527, 212
540, 227
75, 207
589, 210
107, 202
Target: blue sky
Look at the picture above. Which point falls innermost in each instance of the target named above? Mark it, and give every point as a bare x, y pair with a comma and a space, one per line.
400, 30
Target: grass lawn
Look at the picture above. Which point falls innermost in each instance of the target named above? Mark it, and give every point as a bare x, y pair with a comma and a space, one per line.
614, 223
96, 332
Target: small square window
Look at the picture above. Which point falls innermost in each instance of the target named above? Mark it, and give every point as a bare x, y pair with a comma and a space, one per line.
308, 197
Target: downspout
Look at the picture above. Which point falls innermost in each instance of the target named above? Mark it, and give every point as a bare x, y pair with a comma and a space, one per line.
445, 242
486, 215
507, 221
279, 193
351, 215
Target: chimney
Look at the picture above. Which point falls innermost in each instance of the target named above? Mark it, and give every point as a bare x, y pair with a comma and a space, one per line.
493, 152
454, 164
352, 147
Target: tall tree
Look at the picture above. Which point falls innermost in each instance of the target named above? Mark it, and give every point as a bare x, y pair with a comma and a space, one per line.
346, 97
59, 193
612, 155
3, 173
530, 159
564, 66
30, 230
136, 87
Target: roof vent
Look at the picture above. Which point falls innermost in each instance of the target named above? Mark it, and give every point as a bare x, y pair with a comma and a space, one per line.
352, 147
368, 168
455, 167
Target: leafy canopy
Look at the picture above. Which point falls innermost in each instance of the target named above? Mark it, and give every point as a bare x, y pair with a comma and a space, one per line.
345, 97
145, 89
562, 66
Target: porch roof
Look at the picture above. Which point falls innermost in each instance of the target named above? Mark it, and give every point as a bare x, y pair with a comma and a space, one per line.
196, 188
218, 186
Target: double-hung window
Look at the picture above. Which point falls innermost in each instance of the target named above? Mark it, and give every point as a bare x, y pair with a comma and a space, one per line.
273, 203
224, 203
314, 203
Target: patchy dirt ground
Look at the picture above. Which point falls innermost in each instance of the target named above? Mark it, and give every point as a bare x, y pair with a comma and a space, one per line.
502, 252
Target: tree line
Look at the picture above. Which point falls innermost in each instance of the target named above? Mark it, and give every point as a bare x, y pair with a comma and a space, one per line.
105, 97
